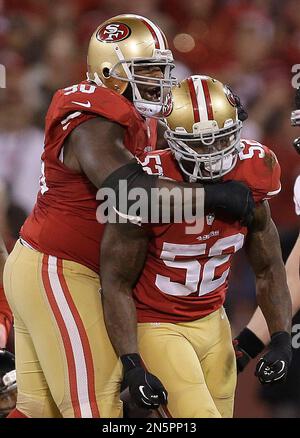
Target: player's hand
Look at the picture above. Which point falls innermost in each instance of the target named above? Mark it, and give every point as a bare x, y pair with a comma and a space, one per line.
241, 356
145, 389
232, 197
246, 347
273, 366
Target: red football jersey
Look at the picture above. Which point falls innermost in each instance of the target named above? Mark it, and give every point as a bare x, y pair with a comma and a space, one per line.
186, 275
63, 222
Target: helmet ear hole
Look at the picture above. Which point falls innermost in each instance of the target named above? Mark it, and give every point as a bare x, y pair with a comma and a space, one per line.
105, 72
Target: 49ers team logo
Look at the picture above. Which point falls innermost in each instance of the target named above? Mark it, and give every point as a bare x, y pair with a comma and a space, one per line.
229, 96
168, 106
113, 32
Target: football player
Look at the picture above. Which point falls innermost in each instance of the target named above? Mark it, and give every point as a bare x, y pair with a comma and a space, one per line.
8, 385
65, 362
253, 338
173, 282
8, 390
5, 312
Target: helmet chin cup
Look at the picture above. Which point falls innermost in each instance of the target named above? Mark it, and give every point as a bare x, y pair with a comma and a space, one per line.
148, 109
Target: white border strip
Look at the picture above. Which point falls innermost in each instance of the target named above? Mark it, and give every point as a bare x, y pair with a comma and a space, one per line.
157, 32
72, 329
203, 114
274, 192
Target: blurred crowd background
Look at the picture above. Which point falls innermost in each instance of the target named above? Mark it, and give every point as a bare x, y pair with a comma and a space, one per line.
250, 45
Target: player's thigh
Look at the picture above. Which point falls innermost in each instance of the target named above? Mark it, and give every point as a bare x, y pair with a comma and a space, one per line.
219, 365
60, 306
100, 363
171, 357
34, 398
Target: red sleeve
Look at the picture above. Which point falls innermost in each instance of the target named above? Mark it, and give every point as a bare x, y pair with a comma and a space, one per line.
269, 171
5, 312
98, 101
76, 104
260, 170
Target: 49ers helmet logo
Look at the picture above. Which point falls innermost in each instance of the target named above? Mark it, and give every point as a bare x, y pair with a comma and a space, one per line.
229, 95
113, 32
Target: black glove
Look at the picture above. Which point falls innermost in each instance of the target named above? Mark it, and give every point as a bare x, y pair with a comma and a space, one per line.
246, 346
274, 365
145, 389
231, 197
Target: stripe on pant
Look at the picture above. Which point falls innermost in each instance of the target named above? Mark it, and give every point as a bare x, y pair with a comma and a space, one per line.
77, 349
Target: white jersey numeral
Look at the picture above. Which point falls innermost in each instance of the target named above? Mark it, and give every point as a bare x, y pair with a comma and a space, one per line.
254, 146
216, 258
83, 88
157, 165
43, 183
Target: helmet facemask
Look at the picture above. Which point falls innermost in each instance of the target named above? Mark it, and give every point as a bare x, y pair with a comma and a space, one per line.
159, 88
207, 155
123, 50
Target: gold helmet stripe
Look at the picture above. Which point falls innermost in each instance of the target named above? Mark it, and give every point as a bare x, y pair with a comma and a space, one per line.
207, 99
194, 100
156, 33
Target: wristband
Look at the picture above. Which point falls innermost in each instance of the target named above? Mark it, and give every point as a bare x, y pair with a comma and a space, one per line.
250, 343
131, 361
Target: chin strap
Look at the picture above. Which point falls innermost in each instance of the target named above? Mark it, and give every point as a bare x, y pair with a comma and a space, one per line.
147, 109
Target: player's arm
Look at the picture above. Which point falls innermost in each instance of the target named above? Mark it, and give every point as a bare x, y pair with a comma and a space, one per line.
123, 253
252, 339
273, 296
257, 323
5, 312
292, 271
96, 149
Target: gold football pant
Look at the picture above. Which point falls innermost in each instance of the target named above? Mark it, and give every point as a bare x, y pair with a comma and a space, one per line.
196, 363
65, 363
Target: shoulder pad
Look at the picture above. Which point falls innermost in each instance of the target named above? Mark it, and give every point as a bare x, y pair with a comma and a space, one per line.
258, 167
